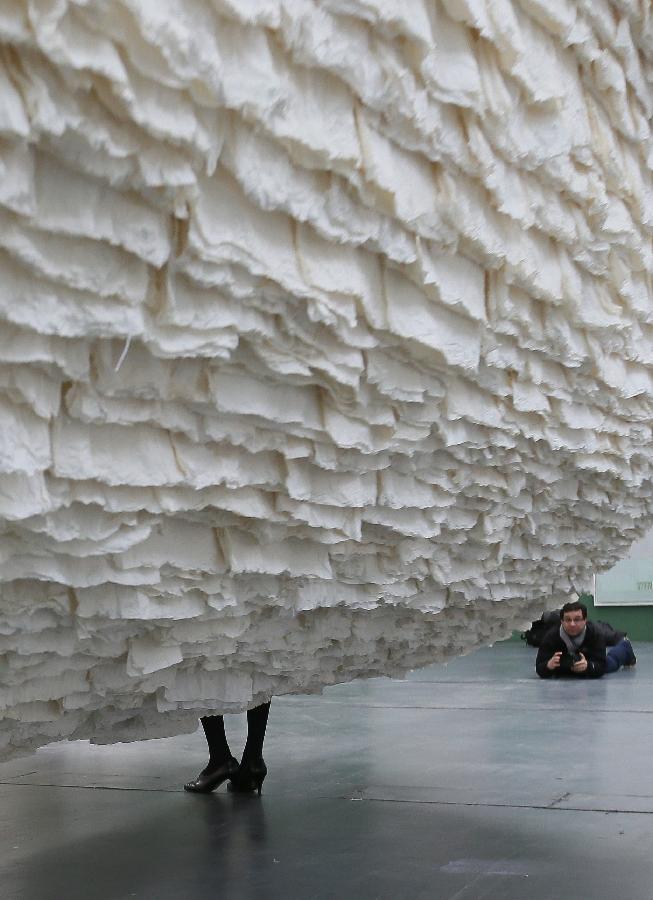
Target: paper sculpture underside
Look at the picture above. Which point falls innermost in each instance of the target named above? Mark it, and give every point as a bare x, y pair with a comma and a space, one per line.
326, 341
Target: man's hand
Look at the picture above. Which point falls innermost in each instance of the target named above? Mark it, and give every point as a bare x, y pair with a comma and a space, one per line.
580, 666
554, 662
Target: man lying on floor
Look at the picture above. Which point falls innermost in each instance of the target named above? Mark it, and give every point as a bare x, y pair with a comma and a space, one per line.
576, 648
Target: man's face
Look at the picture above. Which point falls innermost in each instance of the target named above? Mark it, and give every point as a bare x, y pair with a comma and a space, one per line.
573, 622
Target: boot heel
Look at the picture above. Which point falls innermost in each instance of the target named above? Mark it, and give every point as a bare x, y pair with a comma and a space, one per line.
248, 778
204, 784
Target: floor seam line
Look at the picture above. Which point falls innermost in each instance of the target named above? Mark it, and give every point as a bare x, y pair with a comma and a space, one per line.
547, 808
349, 799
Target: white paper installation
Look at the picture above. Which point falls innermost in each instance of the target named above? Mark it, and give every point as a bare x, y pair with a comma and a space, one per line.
326, 340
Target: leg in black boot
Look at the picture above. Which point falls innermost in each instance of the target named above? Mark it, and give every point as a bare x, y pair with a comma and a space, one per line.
252, 770
221, 764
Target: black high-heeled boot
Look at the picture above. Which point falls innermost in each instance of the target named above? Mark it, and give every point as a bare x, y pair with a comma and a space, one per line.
205, 783
249, 777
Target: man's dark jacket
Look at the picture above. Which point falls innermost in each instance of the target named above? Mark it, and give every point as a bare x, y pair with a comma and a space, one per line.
592, 648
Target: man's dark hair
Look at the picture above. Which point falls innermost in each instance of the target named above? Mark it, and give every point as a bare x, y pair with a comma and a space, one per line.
573, 606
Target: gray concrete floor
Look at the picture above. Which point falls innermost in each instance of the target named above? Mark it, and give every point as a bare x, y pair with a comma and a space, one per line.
472, 780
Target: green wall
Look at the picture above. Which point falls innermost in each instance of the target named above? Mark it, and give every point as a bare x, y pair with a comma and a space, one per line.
636, 620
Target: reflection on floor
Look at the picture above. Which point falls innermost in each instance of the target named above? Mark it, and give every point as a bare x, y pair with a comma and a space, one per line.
472, 780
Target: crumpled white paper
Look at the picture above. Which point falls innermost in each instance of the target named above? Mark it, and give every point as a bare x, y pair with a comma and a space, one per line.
325, 346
